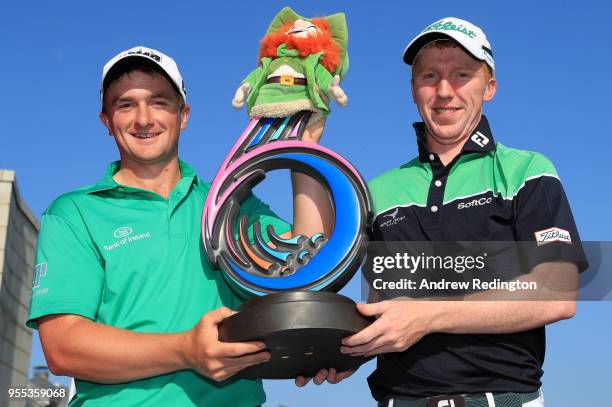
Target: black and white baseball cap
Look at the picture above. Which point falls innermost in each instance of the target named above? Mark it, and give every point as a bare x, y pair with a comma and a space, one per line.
166, 63
469, 36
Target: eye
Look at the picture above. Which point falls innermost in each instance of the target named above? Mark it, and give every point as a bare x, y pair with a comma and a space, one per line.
461, 75
312, 28
429, 76
124, 105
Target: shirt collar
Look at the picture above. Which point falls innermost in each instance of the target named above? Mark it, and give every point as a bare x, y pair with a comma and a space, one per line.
480, 141
188, 177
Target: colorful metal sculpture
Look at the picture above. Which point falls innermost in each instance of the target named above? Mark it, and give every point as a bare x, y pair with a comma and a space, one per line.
269, 263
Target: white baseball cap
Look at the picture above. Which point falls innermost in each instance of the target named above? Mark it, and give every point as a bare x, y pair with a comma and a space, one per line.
162, 60
469, 36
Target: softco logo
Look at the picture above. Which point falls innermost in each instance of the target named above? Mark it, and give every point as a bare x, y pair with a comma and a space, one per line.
123, 231
480, 139
475, 202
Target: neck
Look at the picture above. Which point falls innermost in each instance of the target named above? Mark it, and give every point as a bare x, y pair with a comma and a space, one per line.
160, 178
446, 152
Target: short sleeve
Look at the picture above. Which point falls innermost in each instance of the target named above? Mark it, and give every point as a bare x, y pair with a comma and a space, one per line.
69, 274
542, 216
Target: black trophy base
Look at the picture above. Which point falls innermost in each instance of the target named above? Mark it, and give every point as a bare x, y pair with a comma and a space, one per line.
301, 329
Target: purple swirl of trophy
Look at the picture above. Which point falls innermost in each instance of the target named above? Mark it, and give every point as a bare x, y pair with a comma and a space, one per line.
295, 311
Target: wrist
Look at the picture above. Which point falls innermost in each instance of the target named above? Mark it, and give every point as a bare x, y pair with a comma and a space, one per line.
185, 350
441, 315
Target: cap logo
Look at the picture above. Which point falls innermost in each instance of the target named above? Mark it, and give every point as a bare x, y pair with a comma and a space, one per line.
149, 54
449, 26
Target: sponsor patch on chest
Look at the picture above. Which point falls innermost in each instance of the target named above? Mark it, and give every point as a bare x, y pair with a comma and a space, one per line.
125, 235
475, 202
391, 219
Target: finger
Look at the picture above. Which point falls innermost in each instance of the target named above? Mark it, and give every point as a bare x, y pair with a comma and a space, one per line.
368, 347
216, 316
238, 349
320, 376
336, 80
343, 375
302, 381
260, 357
371, 310
232, 370
245, 87
364, 336
332, 376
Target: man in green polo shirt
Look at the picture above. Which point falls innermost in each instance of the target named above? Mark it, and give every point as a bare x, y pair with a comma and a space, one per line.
124, 297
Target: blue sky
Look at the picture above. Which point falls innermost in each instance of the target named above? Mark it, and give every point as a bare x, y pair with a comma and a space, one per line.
553, 93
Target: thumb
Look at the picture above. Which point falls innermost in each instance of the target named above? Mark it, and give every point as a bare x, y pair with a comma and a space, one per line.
336, 80
219, 315
370, 310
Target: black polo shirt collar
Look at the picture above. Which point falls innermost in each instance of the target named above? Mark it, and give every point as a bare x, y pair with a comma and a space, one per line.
480, 141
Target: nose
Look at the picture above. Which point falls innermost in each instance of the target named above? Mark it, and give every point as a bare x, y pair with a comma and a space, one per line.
144, 117
444, 89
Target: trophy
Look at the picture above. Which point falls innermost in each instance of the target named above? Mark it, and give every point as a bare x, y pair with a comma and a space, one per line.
296, 311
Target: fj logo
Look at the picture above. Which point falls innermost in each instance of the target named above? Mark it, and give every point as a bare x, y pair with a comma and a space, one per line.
446, 401
480, 139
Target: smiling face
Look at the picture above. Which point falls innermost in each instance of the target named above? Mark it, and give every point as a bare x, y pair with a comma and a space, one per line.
449, 88
302, 28
143, 113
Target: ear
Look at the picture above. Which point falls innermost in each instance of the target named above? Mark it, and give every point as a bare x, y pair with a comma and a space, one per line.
412, 90
490, 89
185, 116
105, 122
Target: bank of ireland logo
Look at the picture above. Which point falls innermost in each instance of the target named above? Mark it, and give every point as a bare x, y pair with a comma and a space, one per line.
123, 231
40, 270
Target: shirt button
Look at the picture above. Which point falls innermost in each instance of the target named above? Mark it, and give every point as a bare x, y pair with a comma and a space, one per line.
438, 183
432, 157
120, 188
434, 208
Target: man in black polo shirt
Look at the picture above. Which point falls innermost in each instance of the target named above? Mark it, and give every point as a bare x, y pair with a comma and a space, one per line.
464, 186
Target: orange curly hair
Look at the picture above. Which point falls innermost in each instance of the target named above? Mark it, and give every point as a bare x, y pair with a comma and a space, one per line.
323, 42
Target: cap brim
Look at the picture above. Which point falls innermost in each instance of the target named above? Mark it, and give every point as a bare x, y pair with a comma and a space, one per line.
123, 61
412, 50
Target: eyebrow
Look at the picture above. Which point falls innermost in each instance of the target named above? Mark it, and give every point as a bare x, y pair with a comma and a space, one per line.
156, 95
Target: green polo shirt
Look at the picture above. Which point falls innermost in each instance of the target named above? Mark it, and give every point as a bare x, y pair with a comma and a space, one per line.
131, 259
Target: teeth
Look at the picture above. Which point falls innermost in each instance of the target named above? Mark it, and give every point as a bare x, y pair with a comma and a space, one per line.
145, 135
445, 110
